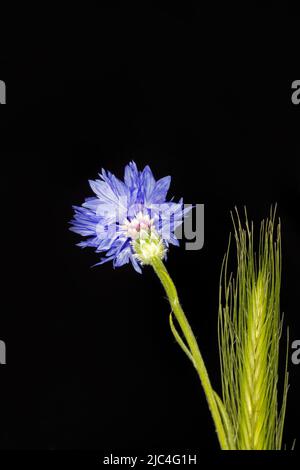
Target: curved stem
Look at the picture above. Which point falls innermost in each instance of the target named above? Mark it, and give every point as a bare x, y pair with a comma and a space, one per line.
225, 440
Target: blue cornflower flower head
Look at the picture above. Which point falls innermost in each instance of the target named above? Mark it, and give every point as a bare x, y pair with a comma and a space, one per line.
131, 221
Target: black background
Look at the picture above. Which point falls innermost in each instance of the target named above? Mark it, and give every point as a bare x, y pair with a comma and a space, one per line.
91, 363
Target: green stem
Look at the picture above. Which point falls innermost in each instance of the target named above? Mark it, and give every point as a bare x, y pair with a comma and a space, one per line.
225, 439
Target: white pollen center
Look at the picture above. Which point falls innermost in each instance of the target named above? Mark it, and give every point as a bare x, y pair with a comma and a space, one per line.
139, 226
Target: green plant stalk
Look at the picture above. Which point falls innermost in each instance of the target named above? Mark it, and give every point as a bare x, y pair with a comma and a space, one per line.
218, 412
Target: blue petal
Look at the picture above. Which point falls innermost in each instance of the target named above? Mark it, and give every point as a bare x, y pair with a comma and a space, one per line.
105, 244
106, 195
117, 246
173, 240
84, 222
119, 188
89, 242
148, 182
160, 190
131, 175
103, 260
135, 264
123, 257
91, 203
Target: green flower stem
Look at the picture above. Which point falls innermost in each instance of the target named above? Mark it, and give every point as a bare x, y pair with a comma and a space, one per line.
216, 406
